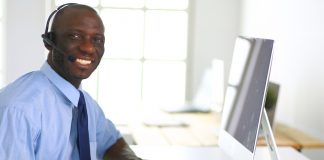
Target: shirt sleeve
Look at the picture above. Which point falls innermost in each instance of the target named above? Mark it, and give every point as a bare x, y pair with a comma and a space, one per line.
17, 135
107, 134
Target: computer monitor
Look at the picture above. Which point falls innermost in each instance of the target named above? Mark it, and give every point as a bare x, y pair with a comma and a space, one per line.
245, 96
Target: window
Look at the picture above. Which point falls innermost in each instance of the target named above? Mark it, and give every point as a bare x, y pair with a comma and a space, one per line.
146, 54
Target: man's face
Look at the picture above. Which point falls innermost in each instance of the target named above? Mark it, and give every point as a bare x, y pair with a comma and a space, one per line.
79, 33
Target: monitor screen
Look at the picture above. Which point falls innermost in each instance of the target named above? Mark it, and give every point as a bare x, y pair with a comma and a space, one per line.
245, 95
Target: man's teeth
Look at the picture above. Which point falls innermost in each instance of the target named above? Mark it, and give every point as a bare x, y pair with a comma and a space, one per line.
83, 61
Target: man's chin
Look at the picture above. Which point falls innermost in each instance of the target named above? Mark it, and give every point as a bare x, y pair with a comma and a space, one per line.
82, 77
84, 74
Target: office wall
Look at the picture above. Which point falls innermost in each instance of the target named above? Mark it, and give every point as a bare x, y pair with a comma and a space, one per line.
297, 28
213, 29
24, 23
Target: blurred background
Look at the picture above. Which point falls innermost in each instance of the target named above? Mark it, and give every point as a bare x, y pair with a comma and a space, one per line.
176, 54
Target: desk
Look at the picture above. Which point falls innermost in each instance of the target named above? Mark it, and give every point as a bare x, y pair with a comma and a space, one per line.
202, 130
206, 153
287, 136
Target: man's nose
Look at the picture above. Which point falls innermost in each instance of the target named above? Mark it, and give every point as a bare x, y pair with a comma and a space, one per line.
87, 46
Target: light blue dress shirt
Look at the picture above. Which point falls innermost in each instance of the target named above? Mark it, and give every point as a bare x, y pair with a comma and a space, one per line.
38, 114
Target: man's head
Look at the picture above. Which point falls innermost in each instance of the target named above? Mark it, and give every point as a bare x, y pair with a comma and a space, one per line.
78, 31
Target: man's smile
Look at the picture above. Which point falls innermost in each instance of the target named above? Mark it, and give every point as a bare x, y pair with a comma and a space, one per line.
83, 61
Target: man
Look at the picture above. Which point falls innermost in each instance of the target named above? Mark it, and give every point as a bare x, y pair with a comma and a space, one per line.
45, 114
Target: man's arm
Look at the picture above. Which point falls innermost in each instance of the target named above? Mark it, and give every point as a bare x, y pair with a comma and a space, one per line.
17, 135
120, 151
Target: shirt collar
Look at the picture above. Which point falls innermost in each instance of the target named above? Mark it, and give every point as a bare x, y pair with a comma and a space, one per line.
68, 90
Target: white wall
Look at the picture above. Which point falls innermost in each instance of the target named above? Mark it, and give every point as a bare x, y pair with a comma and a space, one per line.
214, 27
297, 28
24, 24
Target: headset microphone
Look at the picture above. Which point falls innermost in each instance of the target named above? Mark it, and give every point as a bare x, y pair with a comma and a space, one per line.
71, 58
49, 42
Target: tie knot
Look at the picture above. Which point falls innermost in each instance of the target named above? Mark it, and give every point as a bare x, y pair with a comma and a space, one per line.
81, 100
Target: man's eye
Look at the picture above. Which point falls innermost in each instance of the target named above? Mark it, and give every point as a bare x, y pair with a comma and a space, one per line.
99, 40
74, 36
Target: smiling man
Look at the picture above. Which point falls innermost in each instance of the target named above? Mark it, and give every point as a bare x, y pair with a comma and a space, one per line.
45, 114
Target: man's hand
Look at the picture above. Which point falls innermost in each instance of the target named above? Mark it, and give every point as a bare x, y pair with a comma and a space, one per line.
120, 151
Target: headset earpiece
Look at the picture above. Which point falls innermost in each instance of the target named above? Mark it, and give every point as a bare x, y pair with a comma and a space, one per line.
49, 37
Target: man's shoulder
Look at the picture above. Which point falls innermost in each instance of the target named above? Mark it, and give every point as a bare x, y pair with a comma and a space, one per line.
20, 97
25, 88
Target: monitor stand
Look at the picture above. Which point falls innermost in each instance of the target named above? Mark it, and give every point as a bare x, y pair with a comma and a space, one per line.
268, 134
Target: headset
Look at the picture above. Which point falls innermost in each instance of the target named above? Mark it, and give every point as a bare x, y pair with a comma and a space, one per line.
48, 37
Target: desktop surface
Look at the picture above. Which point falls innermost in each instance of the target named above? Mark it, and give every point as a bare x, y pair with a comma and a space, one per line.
206, 153
202, 131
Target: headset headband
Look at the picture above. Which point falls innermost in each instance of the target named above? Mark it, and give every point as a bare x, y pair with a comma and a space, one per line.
53, 13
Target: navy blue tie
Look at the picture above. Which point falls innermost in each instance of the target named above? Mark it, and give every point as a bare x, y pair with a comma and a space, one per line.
83, 133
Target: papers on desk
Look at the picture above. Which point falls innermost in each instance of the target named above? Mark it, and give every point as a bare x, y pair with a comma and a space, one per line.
163, 121
186, 108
